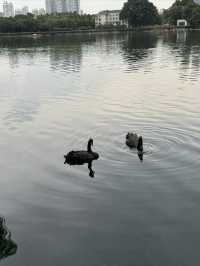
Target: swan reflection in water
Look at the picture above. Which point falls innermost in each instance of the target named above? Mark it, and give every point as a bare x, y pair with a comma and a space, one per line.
140, 156
91, 171
83, 157
7, 246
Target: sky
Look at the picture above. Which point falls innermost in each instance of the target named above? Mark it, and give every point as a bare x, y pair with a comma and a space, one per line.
88, 6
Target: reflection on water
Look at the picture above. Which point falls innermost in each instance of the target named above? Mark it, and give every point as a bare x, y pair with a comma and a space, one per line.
185, 50
64, 52
137, 48
7, 246
64, 89
181, 35
89, 163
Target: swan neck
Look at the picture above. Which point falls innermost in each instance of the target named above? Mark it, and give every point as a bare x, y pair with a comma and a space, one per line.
140, 144
89, 148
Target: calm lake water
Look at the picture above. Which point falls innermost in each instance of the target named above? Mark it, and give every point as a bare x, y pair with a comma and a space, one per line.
57, 92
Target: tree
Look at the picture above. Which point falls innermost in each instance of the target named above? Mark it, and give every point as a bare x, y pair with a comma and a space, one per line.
140, 13
64, 21
185, 9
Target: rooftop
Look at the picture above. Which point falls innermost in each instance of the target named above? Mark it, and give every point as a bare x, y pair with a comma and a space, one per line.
105, 12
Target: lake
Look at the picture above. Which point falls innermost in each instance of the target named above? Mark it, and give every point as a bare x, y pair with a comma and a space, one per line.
56, 92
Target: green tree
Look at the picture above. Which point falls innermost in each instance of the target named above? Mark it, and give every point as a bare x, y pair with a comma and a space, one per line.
66, 21
140, 13
185, 9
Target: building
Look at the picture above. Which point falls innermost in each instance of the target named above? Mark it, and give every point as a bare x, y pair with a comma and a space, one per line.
197, 1
18, 12
182, 23
23, 11
109, 17
50, 6
35, 12
62, 6
41, 11
38, 12
72, 6
8, 9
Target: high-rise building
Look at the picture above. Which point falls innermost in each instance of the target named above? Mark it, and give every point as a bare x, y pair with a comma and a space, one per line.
18, 12
61, 6
50, 6
38, 12
8, 9
23, 11
74, 5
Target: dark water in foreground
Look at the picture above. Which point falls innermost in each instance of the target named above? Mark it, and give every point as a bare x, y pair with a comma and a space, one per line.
56, 93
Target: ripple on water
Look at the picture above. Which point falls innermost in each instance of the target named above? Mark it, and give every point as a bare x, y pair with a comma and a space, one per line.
101, 86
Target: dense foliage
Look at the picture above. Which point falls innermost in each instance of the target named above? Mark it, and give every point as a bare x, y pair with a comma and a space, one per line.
185, 9
140, 13
66, 21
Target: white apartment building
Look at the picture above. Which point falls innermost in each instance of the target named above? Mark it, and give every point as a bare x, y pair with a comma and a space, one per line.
8, 9
109, 17
62, 6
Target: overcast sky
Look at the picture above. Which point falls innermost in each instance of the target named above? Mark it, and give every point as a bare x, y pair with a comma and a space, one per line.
89, 6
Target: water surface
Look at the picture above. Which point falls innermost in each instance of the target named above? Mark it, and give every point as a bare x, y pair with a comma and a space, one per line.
56, 92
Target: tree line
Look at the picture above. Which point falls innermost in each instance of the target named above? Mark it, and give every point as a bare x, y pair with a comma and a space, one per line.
53, 22
143, 13
136, 12
185, 9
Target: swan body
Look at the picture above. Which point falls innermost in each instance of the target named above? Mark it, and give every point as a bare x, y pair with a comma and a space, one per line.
134, 141
81, 157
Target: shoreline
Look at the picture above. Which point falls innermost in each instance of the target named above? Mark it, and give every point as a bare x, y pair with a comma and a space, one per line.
91, 31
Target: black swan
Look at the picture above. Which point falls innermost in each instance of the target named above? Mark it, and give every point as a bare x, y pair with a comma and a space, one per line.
7, 246
134, 141
81, 157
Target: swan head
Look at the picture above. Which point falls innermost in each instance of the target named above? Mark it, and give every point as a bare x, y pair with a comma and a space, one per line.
91, 142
